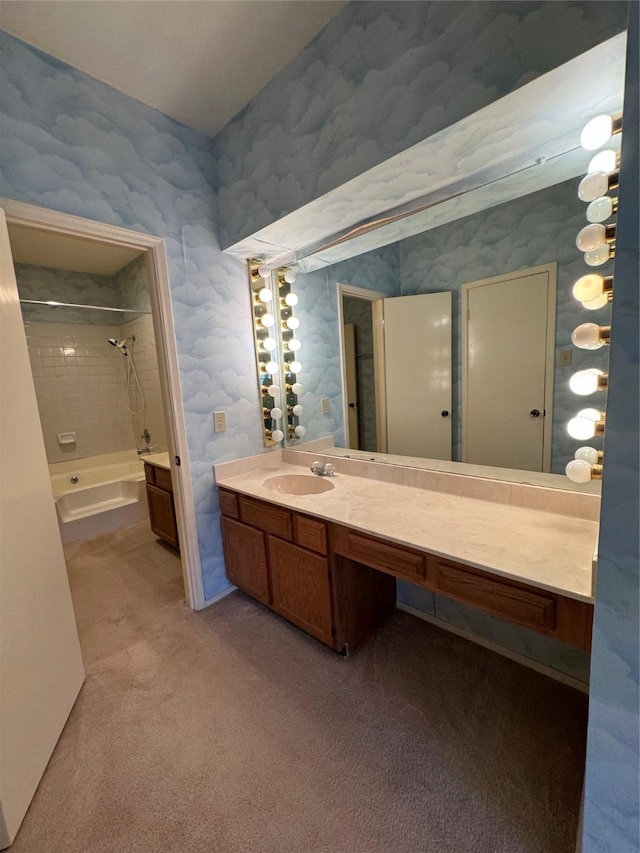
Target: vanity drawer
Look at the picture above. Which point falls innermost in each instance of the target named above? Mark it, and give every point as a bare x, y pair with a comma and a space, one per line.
310, 533
163, 479
523, 605
150, 474
267, 517
229, 504
393, 559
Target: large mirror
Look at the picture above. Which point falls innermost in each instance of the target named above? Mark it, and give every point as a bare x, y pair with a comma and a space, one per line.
445, 335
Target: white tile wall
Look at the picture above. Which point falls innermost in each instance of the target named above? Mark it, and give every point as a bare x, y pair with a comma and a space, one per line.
80, 383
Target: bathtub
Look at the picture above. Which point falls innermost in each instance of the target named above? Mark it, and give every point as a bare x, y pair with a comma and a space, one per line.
110, 493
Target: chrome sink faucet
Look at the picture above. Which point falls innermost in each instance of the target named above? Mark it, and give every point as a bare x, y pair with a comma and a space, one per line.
326, 470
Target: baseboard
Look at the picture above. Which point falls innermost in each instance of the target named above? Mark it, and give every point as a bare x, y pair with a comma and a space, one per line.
562, 677
219, 596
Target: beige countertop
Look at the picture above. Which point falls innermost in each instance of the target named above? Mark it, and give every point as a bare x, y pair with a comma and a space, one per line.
160, 460
548, 550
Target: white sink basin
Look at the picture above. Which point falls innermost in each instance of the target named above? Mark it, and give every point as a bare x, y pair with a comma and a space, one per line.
298, 484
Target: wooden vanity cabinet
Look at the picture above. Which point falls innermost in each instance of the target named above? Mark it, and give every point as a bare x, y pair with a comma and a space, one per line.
281, 558
162, 511
246, 558
301, 588
546, 612
339, 584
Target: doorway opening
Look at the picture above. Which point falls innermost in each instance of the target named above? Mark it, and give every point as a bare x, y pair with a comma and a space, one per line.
99, 332
360, 322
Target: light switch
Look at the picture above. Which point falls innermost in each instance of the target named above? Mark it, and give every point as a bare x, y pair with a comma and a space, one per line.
565, 357
324, 405
219, 421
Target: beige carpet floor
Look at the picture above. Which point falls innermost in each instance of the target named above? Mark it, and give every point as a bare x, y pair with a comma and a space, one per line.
230, 730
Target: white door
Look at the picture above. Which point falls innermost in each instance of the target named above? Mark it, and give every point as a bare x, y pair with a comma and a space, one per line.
351, 373
417, 341
507, 377
41, 669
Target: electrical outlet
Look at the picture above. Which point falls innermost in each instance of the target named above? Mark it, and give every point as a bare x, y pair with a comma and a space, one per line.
565, 357
324, 405
219, 421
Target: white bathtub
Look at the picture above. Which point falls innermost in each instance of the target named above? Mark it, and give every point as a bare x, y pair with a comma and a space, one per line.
110, 493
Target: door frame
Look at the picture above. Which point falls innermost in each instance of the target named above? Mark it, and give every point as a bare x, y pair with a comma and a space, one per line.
377, 318
547, 426
153, 248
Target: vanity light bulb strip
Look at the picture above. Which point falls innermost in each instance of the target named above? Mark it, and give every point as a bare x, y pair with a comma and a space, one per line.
264, 316
597, 241
291, 346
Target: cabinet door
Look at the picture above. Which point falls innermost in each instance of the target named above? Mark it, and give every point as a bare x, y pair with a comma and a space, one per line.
301, 588
246, 558
162, 514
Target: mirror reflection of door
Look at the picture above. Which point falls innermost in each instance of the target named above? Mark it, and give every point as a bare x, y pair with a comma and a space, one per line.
417, 343
359, 373
351, 375
507, 369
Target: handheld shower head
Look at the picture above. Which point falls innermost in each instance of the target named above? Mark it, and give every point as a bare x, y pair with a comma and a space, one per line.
121, 345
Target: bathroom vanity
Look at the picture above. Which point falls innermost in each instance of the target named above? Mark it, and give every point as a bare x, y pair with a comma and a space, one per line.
327, 559
162, 511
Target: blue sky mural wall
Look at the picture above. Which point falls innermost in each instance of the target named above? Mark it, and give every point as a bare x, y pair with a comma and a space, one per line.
378, 79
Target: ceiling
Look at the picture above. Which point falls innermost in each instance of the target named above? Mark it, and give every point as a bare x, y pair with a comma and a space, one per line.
64, 252
198, 61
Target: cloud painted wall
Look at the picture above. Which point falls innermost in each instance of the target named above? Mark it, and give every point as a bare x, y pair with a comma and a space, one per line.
379, 78
78, 146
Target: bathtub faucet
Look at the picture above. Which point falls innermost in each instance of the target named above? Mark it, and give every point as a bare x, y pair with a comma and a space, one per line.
147, 439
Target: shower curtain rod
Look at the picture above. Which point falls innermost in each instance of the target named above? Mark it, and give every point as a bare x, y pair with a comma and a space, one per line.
53, 304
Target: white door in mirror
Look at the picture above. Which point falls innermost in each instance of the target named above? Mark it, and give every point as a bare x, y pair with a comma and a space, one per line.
507, 362
417, 344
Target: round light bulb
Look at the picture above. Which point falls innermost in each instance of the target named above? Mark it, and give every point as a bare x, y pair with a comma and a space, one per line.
294, 345
600, 209
581, 428
267, 320
596, 132
591, 237
604, 161
588, 287
587, 454
290, 276
269, 344
276, 413
272, 367
587, 336
298, 410
291, 299
300, 430
593, 186
598, 302
598, 256
578, 471
273, 391
292, 323
295, 366
296, 388
277, 435
592, 414
265, 295
264, 271
585, 382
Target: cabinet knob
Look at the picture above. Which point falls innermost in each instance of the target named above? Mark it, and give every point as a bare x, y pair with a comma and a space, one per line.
534, 413
445, 413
